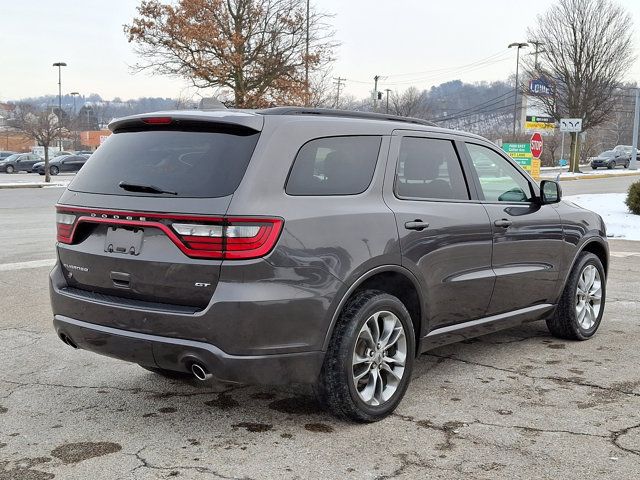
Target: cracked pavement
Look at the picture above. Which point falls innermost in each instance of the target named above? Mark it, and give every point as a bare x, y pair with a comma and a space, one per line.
516, 404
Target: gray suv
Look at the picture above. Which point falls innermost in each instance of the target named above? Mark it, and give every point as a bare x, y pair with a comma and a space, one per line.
316, 246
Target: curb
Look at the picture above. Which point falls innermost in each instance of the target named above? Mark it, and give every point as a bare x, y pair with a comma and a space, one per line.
30, 185
589, 176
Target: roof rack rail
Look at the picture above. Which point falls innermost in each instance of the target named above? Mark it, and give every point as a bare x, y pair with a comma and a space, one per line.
330, 112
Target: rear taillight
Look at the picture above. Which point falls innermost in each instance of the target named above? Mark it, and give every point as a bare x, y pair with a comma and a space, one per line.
65, 223
237, 238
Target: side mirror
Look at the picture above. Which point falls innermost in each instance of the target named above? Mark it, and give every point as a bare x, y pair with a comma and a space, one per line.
550, 192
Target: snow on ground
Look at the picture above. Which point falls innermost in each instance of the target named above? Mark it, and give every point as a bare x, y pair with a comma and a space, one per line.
564, 174
611, 207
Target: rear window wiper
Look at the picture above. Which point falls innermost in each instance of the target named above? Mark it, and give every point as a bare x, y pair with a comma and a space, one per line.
137, 187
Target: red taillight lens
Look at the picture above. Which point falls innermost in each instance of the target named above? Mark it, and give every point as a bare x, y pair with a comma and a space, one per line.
237, 238
65, 223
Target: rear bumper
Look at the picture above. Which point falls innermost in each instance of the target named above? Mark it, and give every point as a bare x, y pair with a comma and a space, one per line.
178, 354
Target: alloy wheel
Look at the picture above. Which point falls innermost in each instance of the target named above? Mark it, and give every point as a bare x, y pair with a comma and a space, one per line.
379, 358
588, 297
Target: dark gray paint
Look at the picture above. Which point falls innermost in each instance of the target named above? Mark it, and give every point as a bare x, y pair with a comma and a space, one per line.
283, 307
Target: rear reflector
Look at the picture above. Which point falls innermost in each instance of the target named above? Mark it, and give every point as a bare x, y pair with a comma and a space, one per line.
237, 238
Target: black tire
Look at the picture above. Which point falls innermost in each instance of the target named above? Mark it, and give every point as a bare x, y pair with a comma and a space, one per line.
41, 173
54, 170
593, 167
626, 165
169, 373
564, 323
10, 169
335, 388
611, 165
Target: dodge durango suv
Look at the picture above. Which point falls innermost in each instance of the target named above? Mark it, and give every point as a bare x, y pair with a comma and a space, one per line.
313, 246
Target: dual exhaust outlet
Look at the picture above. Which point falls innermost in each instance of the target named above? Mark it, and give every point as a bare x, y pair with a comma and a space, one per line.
199, 371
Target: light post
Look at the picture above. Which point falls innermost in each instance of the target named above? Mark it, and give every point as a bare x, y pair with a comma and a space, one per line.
74, 120
518, 46
60, 65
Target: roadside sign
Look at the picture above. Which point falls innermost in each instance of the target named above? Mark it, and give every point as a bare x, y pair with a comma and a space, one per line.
540, 87
521, 153
536, 145
546, 124
570, 124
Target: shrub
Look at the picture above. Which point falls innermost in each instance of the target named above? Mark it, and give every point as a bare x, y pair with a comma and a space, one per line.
633, 198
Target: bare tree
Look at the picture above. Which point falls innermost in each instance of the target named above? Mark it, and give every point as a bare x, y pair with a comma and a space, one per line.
410, 103
40, 124
256, 48
587, 50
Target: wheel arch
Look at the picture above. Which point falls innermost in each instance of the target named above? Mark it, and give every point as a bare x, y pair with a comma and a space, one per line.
393, 279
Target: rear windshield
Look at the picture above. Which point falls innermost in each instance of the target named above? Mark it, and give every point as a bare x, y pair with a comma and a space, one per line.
186, 163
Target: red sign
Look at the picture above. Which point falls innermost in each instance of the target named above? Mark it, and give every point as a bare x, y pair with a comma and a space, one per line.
536, 145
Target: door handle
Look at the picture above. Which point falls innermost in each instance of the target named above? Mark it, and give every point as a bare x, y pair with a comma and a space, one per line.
417, 224
504, 223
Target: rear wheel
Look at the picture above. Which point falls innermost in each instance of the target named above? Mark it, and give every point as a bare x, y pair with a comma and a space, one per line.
593, 167
54, 170
612, 164
10, 169
581, 306
626, 165
369, 360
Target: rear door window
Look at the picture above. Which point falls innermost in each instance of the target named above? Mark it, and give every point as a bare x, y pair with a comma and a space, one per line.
334, 166
207, 162
429, 168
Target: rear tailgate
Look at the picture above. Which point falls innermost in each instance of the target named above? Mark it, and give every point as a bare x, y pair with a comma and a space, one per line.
142, 220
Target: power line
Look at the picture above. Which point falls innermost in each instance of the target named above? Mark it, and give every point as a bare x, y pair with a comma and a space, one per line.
478, 108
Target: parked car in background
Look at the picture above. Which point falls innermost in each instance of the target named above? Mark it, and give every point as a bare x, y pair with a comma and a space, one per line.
626, 150
59, 154
334, 249
611, 159
84, 152
5, 153
19, 162
64, 163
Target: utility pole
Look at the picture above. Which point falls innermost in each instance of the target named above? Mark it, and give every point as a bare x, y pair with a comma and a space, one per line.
307, 99
633, 163
518, 46
387, 90
375, 92
339, 81
536, 52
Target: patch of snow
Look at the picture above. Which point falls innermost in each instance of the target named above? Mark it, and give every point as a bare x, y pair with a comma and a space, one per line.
611, 207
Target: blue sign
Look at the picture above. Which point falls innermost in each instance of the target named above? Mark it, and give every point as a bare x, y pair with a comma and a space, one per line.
539, 86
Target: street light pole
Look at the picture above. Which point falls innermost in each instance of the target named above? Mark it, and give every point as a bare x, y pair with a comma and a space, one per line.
633, 163
60, 65
518, 46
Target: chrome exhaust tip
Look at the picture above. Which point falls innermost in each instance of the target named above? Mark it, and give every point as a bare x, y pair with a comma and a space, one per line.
200, 372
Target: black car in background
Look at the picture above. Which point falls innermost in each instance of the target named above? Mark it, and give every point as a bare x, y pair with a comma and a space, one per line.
19, 162
63, 163
5, 153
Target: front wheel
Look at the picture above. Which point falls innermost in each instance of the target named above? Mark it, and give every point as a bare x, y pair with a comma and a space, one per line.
611, 165
10, 169
626, 165
368, 363
581, 305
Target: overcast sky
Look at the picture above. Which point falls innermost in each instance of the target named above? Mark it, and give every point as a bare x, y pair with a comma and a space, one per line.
419, 42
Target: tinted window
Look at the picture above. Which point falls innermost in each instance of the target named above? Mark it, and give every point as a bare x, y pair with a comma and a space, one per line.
334, 166
429, 168
499, 180
190, 163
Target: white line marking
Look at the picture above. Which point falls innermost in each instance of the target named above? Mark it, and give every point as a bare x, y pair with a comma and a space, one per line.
624, 254
7, 267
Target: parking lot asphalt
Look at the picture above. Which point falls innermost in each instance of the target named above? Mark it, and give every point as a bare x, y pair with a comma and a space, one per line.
517, 404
